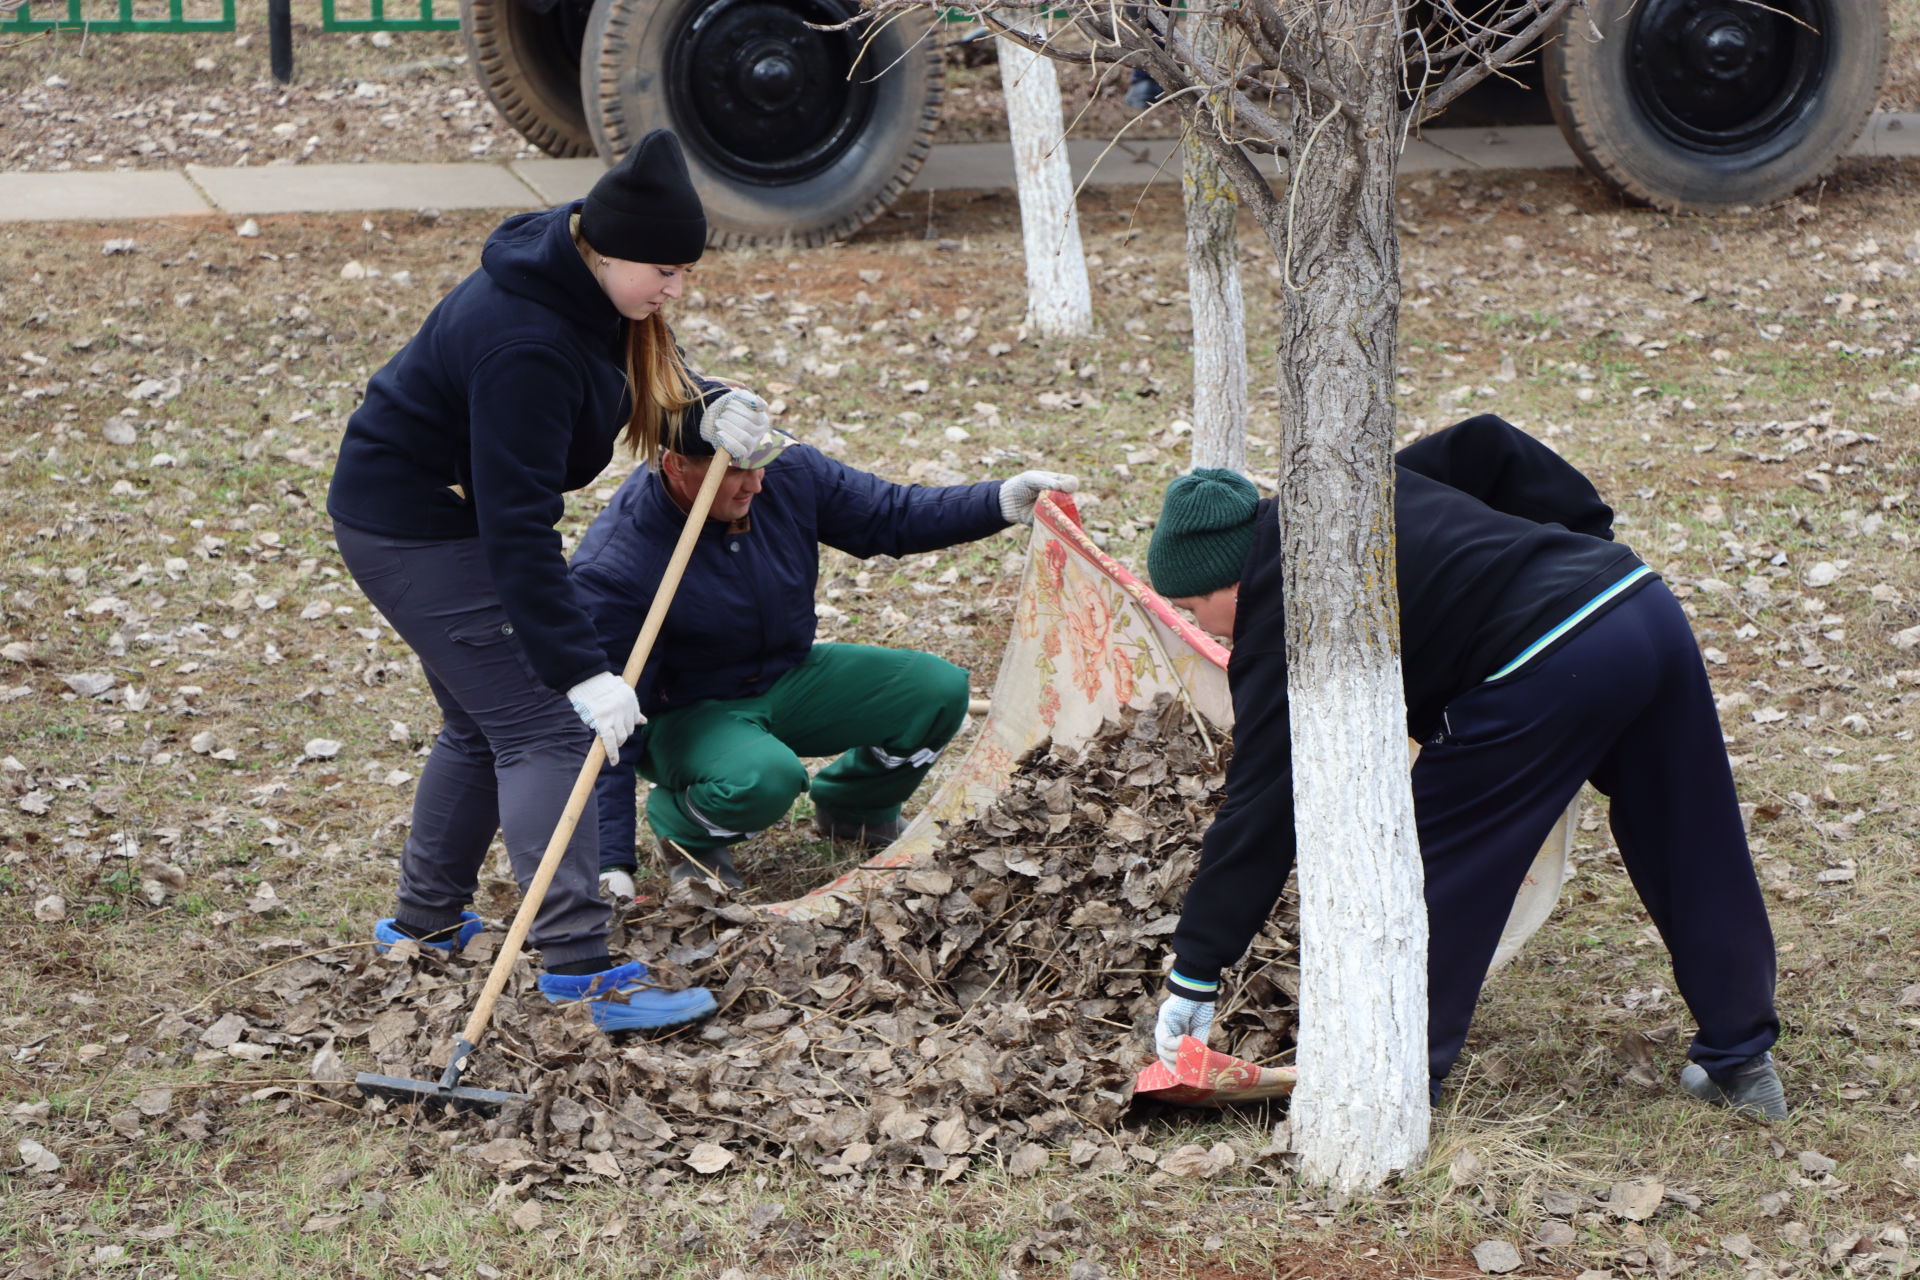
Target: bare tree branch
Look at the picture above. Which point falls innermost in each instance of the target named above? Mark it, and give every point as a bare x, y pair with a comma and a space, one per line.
1485, 63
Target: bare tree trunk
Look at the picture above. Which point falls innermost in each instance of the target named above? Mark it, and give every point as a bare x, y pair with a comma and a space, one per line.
1321, 82
1361, 1111
1059, 302
1213, 283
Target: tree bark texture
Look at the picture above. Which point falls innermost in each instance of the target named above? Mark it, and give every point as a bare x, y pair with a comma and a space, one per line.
1361, 1111
1213, 282
1059, 301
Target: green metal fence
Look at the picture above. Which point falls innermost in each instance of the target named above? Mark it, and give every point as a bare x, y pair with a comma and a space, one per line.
421, 18
120, 15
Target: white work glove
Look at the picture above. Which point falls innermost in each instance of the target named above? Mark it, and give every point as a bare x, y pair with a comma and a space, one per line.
607, 705
617, 883
736, 422
1179, 1017
1018, 495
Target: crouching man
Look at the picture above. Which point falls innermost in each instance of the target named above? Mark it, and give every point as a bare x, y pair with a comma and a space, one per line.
736, 691
1538, 654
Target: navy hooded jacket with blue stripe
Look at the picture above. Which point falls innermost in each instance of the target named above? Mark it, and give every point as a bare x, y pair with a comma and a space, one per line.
1498, 541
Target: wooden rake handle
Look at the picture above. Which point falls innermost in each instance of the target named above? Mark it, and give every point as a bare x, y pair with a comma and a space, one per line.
596, 756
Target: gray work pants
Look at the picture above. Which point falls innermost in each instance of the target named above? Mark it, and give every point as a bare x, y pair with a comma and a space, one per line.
507, 755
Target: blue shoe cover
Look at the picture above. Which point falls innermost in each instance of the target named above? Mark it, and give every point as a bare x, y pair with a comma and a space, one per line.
387, 935
622, 1001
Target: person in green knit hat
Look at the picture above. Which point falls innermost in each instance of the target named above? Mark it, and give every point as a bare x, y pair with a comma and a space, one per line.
1538, 654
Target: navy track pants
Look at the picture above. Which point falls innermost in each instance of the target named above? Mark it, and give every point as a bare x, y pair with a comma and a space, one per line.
1626, 705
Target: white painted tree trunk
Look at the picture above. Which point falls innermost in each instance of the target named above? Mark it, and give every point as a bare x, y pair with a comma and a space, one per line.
1059, 301
1213, 284
1361, 1112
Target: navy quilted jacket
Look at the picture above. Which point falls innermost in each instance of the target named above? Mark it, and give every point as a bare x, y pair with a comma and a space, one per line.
743, 615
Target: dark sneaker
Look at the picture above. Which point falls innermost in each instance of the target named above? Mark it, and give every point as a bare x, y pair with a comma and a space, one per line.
872, 835
714, 864
1753, 1089
622, 1000
387, 935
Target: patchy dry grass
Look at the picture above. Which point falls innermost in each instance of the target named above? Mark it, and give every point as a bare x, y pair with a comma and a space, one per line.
1747, 390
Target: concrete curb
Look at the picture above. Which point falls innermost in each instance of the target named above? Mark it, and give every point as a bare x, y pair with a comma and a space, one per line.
100, 196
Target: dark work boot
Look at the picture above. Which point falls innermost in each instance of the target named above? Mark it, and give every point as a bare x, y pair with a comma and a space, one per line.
870, 835
715, 864
1753, 1089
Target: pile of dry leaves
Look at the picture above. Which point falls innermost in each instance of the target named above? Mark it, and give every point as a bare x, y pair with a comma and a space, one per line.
992, 1002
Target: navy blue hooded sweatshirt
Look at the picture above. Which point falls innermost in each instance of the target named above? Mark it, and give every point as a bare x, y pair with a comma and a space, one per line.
743, 616
1498, 541
515, 390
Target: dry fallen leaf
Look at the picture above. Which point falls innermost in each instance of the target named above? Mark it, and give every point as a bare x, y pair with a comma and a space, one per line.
709, 1157
37, 1158
328, 1067
1496, 1257
1554, 1234
1027, 1160
1196, 1161
1636, 1201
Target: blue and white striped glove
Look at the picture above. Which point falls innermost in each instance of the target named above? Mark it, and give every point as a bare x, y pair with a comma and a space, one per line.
1179, 1017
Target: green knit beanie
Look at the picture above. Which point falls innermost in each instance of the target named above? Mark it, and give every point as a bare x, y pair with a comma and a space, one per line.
1205, 530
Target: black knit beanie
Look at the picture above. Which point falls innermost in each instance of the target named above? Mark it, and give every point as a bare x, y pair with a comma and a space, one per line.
1204, 533
645, 209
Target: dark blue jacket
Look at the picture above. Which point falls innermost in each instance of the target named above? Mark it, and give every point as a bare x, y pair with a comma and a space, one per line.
743, 615
515, 390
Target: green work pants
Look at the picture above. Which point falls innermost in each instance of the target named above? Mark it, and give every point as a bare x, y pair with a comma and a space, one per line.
726, 769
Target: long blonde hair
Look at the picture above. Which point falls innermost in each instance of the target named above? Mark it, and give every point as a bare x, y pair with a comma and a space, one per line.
660, 386
657, 379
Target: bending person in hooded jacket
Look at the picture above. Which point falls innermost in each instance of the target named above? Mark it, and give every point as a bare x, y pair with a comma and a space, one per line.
450, 481
736, 691
1538, 654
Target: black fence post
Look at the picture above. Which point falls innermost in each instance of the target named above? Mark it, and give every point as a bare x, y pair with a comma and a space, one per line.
280, 39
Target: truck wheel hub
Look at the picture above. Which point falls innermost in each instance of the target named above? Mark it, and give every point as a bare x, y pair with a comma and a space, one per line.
763, 95
1725, 50
771, 81
1726, 75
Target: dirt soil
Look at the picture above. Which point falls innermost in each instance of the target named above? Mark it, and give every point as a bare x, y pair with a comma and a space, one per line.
80, 101
212, 743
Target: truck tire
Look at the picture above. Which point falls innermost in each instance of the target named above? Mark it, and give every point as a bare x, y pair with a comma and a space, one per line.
527, 55
793, 135
1703, 105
